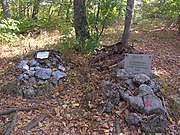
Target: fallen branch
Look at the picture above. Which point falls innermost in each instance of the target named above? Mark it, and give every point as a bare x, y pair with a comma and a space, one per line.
34, 123
11, 110
11, 125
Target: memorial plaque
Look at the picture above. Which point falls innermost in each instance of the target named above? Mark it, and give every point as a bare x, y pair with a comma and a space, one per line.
138, 63
42, 55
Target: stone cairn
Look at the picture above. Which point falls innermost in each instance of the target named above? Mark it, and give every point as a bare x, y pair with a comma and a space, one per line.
40, 74
140, 92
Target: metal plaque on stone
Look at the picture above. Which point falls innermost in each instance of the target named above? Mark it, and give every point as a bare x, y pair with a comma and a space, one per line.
42, 55
138, 63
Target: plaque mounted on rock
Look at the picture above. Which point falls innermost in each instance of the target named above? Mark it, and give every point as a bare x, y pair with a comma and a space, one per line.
138, 63
42, 55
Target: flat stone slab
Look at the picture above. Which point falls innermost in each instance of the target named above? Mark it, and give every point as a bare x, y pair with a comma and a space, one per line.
138, 63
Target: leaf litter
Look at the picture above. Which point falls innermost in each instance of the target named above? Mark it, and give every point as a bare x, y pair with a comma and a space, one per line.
74, 106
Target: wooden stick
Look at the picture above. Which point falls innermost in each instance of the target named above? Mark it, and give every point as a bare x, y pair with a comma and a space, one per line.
11, 125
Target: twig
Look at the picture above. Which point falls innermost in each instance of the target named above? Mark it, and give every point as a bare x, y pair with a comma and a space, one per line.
34, 123
11, 110
11, 125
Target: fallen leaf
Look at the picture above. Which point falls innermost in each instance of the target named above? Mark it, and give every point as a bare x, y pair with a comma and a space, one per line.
76, 105
57, 111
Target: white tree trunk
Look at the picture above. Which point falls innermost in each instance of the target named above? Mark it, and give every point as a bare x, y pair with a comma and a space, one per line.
128, 21
6, 9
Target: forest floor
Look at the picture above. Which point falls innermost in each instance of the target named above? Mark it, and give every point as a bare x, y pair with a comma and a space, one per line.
67, 110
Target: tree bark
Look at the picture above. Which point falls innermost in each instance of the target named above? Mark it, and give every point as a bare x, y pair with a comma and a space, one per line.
178, 24
6, 10
128, 21
80, 21
35, 9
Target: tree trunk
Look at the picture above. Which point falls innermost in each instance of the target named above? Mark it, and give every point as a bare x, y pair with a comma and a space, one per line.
35, 9
128, 21
6, 9
80, 22
178, 25
68, 10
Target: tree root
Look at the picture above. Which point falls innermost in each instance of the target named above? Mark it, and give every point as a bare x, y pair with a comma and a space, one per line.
11, 110
11, 125
34, 123
110, 55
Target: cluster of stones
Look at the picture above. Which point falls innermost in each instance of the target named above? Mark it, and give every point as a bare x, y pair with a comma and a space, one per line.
40, 74
140, 92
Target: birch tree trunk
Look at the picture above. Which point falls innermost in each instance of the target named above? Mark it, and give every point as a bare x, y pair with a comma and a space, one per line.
35, 9
80, 21
6, 10
128, 21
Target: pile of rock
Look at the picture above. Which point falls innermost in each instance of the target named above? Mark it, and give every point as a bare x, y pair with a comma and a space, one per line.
140, 92
40, 74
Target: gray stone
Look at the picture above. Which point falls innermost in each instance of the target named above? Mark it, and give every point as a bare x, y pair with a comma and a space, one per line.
54, 82
60, 82
154, 85
137, 103
123, 74
43, 73
23, 65
28, 92
108, 107
114, 97
30, 73
25, 76
153, 105
58, 75
24, 81
32, 80
130, 84
41, 82
40, 92
133, 119
21, 77
33, 63
37, 68
106, 85
124, 95
145, 90
32, 68
155, 124
44, 89
19, 91
147, 104
141, 79
60, 67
